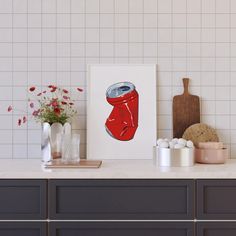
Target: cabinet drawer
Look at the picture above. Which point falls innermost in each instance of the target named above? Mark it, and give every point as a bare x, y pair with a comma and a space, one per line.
121, 229
23, 199
23, 229
121, 199
216, 199
216, 229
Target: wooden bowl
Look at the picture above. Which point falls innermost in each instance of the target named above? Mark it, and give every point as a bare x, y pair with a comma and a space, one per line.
200, 133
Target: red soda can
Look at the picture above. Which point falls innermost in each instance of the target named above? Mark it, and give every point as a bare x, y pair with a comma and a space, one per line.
122, 122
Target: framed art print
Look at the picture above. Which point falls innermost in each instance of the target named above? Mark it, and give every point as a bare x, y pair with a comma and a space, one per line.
121, 122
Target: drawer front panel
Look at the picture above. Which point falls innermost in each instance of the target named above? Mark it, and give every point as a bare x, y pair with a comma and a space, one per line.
121, 229
216, 229
23, 229
216, 199
23, 199
121, 199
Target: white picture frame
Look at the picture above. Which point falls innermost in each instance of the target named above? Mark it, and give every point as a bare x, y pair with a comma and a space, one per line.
110, 119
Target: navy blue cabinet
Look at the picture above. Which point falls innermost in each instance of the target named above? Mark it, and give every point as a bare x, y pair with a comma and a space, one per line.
23, 229
121, 199
216, 229
117, 207
121, 229
23, 199
216, 199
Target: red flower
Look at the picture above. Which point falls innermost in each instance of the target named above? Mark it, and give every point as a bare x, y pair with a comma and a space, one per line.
66, 97
31, 105
65, 91
57, 111
80, 89
24, 119
19, 122
53, 89
54, 102
31, 89
9, 108
35, 113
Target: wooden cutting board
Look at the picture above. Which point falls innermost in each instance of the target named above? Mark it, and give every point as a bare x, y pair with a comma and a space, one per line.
186, 111
81, 164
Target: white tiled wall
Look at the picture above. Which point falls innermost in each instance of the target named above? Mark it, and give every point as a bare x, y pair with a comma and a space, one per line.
50, 41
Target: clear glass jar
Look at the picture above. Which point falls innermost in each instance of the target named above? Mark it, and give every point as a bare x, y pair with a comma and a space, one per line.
75, 148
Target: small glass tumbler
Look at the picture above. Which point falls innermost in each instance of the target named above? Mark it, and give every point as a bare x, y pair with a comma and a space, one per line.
75, 148
66, 146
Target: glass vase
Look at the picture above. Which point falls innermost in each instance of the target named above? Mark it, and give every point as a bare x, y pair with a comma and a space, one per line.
51, 145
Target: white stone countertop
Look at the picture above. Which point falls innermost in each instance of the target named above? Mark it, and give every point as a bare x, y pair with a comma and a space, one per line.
115, 169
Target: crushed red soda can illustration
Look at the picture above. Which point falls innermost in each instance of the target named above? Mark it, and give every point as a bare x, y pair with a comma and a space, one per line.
122, 122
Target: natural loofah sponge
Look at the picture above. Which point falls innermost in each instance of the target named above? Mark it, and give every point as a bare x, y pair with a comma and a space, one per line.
200, 133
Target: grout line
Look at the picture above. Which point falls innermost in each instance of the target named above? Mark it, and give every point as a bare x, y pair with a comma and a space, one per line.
200, 79
12, 77
133, 13
114, 31
128, 55
143, 44
56, 55
41, 61
99, 29
157, 30
70, 47
186, 43
230, 78
49, 71
215, 68
27, 68
120, 27
172, 61
68, 57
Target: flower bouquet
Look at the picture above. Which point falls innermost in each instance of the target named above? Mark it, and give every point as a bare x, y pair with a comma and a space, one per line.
54, 105
54, 109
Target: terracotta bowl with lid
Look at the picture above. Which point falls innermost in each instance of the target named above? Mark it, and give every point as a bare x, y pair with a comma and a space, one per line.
211, 156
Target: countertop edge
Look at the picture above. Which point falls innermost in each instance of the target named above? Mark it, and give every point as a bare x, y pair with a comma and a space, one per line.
115, 169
